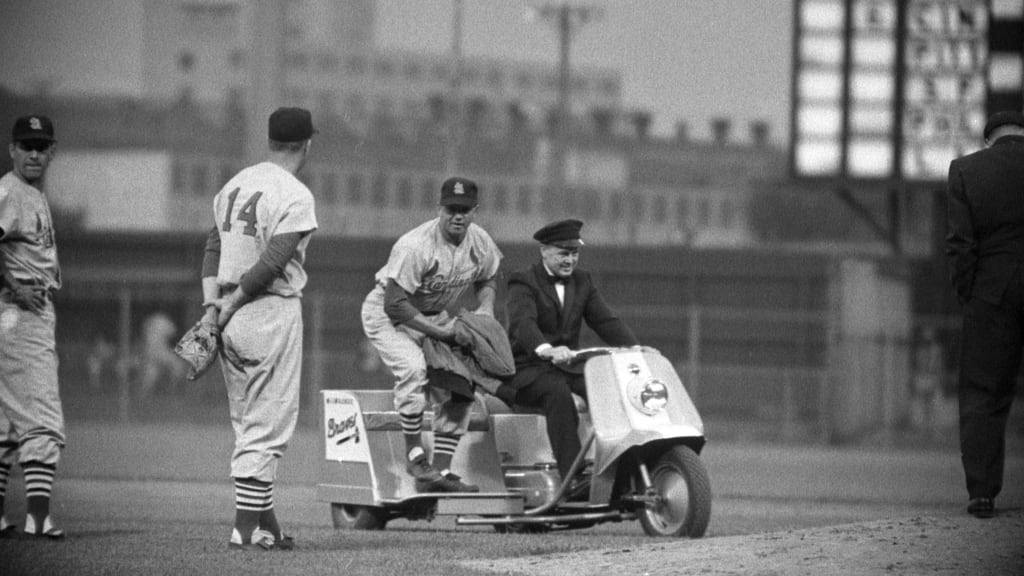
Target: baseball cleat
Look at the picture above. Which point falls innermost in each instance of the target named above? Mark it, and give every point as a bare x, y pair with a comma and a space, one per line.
46, 530
259, 541
427, 478
7, 530
451, 482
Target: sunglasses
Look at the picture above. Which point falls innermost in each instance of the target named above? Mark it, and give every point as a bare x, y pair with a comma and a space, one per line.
34, 145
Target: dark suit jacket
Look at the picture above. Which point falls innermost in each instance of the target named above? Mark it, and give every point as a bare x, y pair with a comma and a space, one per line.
535, 317
985, 240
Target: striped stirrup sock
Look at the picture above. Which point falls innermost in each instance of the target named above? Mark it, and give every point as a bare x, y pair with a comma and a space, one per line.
444, 450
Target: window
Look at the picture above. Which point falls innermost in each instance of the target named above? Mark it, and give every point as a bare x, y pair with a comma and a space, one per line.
615, 207
380, 190
200, 180
384, 68
225, 174
704, 210
329, 188
728, 213
523, 202
355, 189
186, 61
236, 59
659, 208
430, 195
683, 213
591, 204
495, 78
500, 198
404, 199
180, 178
356, 66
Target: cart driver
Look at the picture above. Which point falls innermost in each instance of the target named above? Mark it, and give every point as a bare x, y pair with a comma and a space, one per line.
547, 304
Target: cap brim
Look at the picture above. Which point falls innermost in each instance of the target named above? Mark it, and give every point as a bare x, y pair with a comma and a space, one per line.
458, 202
566, 243
31, 137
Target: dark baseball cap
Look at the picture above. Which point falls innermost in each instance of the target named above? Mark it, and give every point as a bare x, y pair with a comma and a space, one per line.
33, 127
457, 191
564, 234
1001, 119
290, 125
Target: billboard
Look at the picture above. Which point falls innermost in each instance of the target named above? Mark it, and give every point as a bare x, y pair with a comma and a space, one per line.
894, 90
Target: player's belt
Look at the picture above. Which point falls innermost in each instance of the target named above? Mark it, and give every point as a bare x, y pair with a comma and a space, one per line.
430, 314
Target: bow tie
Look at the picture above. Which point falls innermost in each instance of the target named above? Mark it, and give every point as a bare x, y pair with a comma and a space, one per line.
556, 280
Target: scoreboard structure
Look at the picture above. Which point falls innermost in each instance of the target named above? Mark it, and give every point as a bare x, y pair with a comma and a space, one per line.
890, 91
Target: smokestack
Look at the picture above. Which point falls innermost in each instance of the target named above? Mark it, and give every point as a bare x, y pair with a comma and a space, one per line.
720, 129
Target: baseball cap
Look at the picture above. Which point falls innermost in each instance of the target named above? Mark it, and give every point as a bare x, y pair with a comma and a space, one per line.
290, 125
564, 234
457, 191
1002, 118
34, 127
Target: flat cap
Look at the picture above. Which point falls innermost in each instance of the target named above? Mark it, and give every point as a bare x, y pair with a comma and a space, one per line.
564, 234
1001, 119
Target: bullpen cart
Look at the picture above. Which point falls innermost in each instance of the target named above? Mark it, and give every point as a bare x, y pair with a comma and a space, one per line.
641, 433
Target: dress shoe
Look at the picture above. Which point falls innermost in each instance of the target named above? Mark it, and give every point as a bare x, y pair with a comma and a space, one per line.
982, 507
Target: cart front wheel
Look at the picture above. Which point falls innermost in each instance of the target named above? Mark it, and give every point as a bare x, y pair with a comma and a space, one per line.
355, 517
684, 489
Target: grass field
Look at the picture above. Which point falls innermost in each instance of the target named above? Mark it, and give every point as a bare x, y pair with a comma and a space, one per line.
156, 499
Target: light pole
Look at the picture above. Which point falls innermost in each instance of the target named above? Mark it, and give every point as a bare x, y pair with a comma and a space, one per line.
451, 160
567, 19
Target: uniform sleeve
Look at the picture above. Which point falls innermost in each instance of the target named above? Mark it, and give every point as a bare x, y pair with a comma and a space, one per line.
491, 261
961, 245
211, 255
8, 213
406, 266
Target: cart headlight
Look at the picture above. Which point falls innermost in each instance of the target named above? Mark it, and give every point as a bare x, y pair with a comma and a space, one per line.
648, 396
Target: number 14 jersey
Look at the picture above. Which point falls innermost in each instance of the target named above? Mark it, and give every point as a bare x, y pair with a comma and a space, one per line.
257, 203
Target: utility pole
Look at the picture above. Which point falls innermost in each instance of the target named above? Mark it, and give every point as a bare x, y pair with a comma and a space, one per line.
567, 18
451, 160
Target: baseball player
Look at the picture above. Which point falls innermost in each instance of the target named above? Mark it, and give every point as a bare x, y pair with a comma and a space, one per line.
252, 286
32, 418
429, 268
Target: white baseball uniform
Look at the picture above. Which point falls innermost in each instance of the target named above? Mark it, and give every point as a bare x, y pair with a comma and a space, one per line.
262, 354
435, 273
31, 418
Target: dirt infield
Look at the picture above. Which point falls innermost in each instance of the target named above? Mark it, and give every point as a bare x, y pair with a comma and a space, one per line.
919, 545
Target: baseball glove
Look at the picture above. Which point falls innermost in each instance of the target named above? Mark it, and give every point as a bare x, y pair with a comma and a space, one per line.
199, 347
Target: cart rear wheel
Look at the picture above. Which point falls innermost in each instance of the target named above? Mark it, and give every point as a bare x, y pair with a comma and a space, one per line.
682, 482
355, 517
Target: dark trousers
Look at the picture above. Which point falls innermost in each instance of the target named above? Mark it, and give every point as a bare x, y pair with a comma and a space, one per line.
990, 357
551, 392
